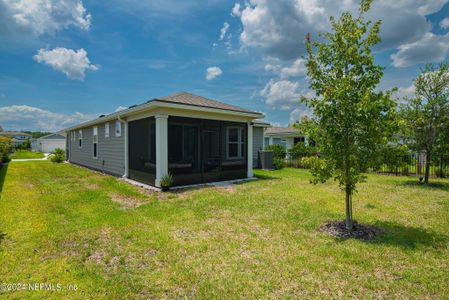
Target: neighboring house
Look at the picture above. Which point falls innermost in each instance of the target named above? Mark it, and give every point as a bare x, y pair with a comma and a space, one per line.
48, 143
259, 127
194, 138
17, 138
285, 136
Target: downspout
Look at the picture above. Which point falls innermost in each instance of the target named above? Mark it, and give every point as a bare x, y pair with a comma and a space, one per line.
126, 158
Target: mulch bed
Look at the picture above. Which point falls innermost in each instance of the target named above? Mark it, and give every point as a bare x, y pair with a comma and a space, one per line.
359, 231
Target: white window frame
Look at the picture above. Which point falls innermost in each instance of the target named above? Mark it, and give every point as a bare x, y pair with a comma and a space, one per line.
80, 138
239, 142
106, 130
94, 142
118, 128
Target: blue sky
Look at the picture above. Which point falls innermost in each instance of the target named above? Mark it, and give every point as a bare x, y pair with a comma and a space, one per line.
66, 61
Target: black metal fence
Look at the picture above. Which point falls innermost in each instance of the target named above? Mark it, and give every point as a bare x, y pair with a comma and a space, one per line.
409, 165
414, 165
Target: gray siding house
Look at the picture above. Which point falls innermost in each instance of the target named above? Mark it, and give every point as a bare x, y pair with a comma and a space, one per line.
285, 136
196, 139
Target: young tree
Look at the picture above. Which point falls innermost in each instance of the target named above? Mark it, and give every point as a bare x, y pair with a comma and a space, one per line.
309, 127
427, 114
352, 118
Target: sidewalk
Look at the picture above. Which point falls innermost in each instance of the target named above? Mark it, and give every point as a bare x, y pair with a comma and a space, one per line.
31, 159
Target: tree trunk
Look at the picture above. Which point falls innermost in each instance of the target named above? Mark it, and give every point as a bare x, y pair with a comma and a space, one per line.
348, 209
426, 176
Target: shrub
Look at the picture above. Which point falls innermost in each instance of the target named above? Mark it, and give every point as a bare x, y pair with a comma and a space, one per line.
308, 162
5, 149
278, 163
278, 151
167, 181
57, 155
301, 150
4, 157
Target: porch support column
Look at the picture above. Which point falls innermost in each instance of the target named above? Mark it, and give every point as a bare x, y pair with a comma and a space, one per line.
249, 172
125, 127
161, 148
263, 138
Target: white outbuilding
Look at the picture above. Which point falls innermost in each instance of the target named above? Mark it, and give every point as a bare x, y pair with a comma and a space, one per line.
48, 143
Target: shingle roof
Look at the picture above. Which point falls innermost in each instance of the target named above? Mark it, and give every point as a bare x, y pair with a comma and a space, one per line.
190, 99
182, 98
53, 136
281, 130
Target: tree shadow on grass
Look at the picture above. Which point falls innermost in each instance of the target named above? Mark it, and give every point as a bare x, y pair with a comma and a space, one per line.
2, 237
266, 177
409, 237
3, 170
431, 185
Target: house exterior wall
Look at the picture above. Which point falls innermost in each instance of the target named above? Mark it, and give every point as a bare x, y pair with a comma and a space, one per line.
257, 144
111, 150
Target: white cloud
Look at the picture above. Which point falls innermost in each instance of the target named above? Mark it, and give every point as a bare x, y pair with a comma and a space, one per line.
430, 48
213, 72
444, 23
406, 92
120, 108
72, 63
24, 117
298, 68
295, 69
236, 10
282, 93
225, 37
298, 113
273, 68
224, 30
279, 28
43, 16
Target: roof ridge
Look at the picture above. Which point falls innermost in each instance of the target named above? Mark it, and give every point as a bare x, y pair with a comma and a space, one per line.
193, 97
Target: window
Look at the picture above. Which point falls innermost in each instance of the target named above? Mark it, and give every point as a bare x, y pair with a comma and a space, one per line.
106, 130
95, 141
118, 128
235, 140
267, 141
80, 138
284, 144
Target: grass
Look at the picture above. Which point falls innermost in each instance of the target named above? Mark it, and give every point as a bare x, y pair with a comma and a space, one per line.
64, 224
20, 154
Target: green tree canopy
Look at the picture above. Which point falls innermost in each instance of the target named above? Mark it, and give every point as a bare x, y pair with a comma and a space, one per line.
427, 114
352, 117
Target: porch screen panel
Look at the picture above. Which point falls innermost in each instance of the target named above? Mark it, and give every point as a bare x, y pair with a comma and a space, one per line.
142, 150
184, 160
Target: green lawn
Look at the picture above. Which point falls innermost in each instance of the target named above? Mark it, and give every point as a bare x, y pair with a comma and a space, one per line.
26, 154
65, 224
